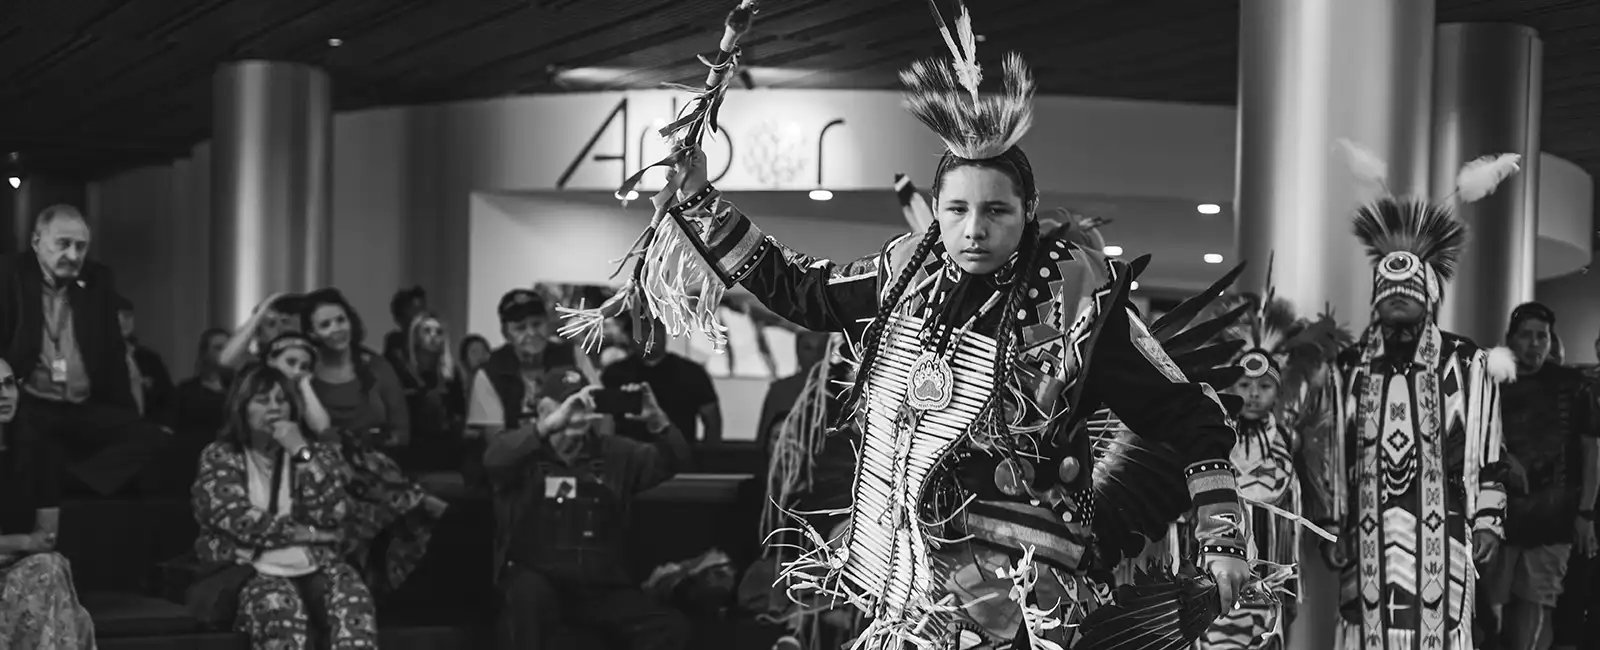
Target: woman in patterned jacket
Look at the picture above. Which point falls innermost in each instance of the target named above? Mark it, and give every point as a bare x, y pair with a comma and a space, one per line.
270, 499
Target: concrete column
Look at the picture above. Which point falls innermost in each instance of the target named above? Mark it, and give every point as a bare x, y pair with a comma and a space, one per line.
270, 184
1311, 72
1486, 94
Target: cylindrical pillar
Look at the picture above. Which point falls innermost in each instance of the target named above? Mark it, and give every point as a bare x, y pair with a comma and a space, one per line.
1302, 86
270, 178
1312, 72
1486, 89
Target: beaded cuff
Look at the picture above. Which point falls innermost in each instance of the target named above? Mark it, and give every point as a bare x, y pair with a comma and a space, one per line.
733, 243
1219, 519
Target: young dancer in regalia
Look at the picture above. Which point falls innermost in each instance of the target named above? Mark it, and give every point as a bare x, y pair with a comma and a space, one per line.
1422, 473
1286, 360
975, 514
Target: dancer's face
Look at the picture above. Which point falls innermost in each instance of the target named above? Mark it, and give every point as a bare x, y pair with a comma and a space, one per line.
1259, 394
1399, 310
981, 218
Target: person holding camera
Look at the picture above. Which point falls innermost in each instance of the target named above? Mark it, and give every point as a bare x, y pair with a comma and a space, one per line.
564, 484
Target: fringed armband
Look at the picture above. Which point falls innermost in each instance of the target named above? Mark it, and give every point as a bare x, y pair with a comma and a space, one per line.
1219, 519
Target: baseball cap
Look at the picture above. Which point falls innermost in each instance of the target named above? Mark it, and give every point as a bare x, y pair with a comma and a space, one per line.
1534, 310
518, 304
562, 382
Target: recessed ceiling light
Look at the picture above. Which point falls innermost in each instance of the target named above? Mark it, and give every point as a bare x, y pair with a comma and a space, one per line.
1112, 251
1209, 208
1213, 258
335, 42
821, 195
1134, 286
16, 183
631, 196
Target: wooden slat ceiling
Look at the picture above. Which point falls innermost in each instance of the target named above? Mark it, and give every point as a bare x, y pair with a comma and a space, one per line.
90, 87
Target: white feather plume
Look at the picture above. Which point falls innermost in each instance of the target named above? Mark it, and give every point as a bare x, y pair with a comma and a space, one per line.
1480, 177
1502, 365
963, 56
1366, 165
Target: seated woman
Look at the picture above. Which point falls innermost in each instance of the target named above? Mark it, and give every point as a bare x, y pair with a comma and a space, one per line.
435, 395
391, 517
38, 605
270, 499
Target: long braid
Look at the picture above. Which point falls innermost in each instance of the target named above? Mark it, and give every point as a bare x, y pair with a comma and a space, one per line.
1008, 329
886, 306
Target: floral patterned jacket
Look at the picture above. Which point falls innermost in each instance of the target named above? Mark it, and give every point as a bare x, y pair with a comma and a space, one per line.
230, 524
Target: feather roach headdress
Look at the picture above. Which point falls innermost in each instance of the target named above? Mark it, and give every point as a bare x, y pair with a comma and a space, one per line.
1415, 243
944, 95
1278, 343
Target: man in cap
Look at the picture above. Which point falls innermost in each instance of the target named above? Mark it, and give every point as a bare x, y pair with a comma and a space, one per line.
563, 489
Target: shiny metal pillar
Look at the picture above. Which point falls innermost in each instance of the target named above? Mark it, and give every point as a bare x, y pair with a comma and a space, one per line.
270, 184
1486, 93
1311, 72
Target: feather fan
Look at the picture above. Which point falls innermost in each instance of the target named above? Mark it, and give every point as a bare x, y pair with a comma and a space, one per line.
1138, 484
1430, 231
1480, 177
944, 95
1156, 612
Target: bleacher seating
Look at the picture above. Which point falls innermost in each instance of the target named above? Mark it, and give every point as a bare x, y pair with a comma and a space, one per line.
127, 563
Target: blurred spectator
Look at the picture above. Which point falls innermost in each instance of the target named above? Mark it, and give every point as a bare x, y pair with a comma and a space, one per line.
38, 604
358, 387
563, 491
684, 387
60, 334
1554, 458
271, 505
474, 353
404, 308
504, 394
809, 350
435, 394
279, 313
196, 413
147, 373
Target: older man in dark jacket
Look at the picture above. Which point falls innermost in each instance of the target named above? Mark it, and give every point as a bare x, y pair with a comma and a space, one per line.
59, 331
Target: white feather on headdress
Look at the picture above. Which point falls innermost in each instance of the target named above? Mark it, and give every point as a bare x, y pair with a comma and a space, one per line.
944, 96
1366, 165
1480, 177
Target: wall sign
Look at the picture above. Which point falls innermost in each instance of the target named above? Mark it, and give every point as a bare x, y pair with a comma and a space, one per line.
775, 153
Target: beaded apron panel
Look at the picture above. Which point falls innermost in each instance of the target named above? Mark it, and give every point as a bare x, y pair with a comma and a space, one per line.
887, 555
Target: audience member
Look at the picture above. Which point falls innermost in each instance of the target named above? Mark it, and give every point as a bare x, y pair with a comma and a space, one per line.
1551, 446
279, 313
147, 373
563, 492
390, 517
359, 388
809, 350
271, 505
404, 308
506, 390
684, 386
38, 604
435, 395
474, 353
1577, 616
59, 332
196, 413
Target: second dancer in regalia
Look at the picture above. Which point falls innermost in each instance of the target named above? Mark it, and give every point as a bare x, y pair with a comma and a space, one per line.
976, 513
